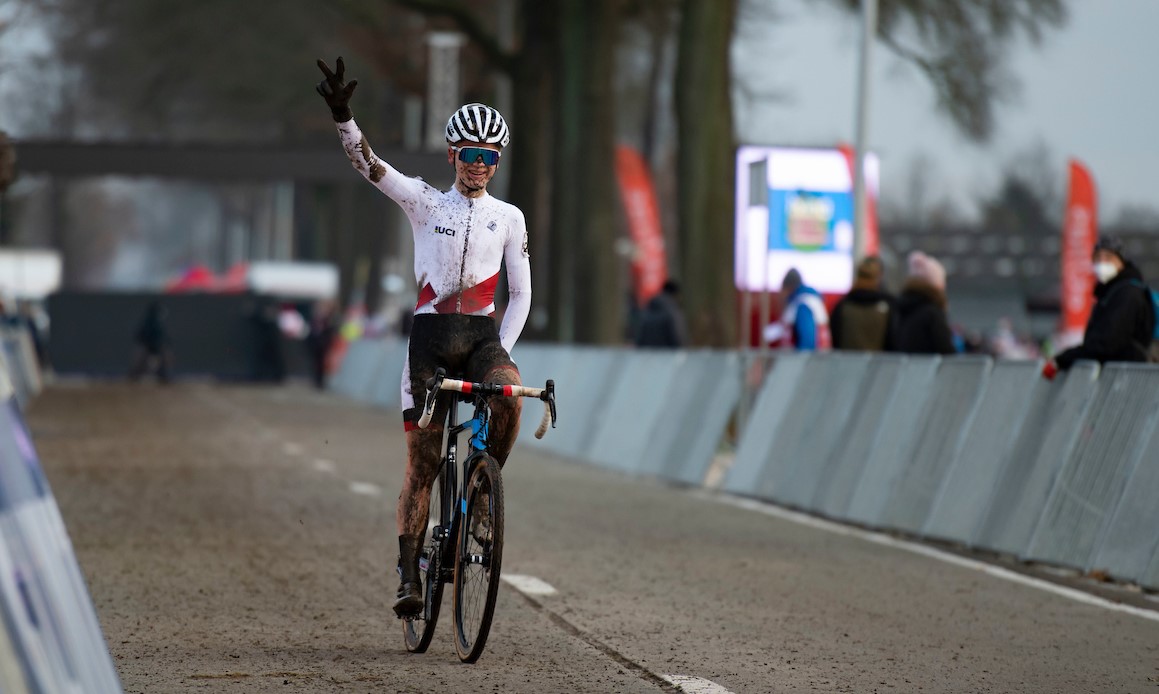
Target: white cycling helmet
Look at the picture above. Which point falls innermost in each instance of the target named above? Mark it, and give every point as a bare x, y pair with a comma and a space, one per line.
478, 123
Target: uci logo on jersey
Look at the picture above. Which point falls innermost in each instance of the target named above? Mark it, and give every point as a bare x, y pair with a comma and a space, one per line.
445, 230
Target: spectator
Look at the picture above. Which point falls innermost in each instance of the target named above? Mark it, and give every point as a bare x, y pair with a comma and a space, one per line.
320, 338
1122, 320
661, 322
804, 322
1006, 344
269, 361
866, 318
923, 326
152, 340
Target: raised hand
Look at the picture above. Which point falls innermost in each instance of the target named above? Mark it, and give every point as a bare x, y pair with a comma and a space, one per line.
335, 91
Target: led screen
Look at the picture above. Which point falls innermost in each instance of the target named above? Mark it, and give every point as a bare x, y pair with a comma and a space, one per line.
795, 209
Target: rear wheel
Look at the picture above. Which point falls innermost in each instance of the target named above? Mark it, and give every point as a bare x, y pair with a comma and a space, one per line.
478, 555
418, 631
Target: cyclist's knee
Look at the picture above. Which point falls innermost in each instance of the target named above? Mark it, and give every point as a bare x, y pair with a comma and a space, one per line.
505, 374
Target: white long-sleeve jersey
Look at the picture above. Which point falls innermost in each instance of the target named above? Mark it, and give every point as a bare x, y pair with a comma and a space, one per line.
459, 242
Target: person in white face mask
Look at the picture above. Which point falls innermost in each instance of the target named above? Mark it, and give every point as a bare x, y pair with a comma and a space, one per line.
1122, 320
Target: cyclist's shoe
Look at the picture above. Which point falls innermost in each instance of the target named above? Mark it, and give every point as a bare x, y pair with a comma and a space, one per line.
409, 601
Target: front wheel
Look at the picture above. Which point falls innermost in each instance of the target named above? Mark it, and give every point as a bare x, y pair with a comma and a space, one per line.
478, 558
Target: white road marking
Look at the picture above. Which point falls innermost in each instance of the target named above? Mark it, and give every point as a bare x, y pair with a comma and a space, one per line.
695, 685
291, 448
365, 488
529, 585
882, 539
325, 466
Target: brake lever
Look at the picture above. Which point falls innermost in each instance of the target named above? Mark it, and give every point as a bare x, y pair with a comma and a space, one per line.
434, 383
551, 400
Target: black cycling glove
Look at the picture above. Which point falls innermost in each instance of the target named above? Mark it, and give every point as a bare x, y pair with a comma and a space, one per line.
335, 91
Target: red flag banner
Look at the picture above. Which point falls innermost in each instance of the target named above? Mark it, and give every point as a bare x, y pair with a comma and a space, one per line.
871, 238
649, 262
1078, 241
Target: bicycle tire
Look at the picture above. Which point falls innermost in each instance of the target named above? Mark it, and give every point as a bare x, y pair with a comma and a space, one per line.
418, 632
478, 558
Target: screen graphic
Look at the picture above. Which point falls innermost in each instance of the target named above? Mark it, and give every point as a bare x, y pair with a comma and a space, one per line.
795, 210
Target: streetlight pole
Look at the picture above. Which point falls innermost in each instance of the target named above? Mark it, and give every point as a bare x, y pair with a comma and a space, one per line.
444, 93
868, 30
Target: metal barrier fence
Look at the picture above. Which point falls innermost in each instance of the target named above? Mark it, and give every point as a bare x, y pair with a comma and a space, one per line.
1091, 483
896, 439
963, 449
1054, 417
50, 640
985, 451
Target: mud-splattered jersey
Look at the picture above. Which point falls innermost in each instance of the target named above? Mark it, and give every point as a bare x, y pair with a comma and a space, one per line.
459, 242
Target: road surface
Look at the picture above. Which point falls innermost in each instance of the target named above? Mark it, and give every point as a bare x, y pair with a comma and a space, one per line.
241, 539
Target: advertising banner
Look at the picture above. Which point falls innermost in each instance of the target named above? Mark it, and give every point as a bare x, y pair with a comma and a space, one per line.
649, 261
1079, 232
871, 235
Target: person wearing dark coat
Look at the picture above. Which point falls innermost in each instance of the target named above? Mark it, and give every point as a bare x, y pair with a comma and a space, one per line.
320, 339
1122, 320
661, 322
923, 327
153, 347
865, 319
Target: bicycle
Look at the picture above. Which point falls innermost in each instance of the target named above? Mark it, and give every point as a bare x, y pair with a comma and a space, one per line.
466, 547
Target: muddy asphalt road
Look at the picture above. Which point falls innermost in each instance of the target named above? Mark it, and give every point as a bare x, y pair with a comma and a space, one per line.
241, 539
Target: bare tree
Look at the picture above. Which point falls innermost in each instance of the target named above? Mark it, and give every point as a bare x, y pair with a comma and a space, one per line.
916, 206
705, 197
960, 45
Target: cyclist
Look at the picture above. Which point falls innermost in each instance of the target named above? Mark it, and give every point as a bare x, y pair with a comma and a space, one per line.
461, 237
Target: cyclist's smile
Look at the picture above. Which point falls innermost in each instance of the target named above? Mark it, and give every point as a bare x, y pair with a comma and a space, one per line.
471, 178
474, 177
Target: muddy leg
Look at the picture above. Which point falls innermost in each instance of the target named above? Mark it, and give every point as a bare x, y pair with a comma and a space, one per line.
504, 415
422, 466
413, 510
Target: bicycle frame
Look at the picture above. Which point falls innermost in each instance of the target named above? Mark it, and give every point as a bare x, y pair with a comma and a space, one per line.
456, 554
453, 494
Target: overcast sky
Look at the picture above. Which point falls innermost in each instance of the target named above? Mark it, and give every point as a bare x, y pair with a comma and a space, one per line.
1087, 91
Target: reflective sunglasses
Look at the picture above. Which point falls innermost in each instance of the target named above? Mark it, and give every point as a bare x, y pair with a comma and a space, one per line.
470, 155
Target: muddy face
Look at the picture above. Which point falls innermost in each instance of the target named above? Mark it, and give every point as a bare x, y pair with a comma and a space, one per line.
471, 178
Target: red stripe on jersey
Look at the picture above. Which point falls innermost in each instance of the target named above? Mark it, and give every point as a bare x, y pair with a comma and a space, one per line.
473, 299
426, 296
409, 426
481, 295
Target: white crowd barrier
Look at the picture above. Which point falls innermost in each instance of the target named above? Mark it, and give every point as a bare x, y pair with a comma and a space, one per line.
968, 450
50, 640
19, 363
